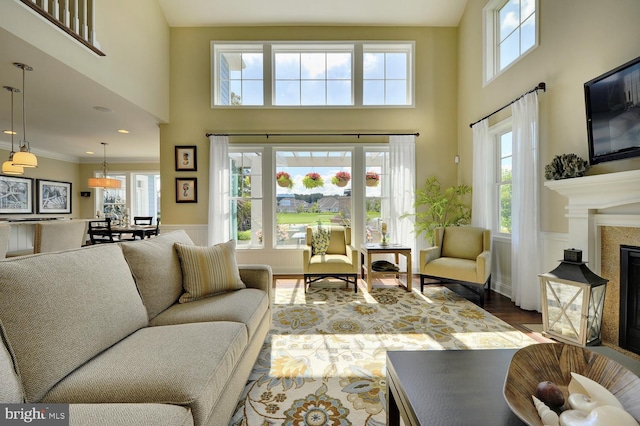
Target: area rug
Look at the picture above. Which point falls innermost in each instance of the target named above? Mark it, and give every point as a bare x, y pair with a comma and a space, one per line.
323, 362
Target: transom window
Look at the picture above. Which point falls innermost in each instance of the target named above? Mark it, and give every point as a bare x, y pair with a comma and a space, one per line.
308, 74
511, 32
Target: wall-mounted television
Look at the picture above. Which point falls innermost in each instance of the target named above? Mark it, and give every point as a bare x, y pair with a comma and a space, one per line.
613, 113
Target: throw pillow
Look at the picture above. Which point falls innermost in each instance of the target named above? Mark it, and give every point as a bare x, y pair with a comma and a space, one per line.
320, 240
207, 271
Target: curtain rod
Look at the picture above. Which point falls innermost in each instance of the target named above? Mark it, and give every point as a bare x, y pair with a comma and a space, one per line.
267, 135
541, 86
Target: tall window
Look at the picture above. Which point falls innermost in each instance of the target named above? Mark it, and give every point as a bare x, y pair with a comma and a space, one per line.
386, 74
246, 197
377, 206
239, 74
511, 32
313, 75
504, 174
139, 195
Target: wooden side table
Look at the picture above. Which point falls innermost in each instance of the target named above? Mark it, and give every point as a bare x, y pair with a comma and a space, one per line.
369, 249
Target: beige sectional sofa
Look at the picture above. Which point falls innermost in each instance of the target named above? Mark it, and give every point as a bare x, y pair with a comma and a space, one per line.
101, 328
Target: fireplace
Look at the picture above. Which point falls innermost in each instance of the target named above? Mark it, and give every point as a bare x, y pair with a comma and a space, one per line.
629, 298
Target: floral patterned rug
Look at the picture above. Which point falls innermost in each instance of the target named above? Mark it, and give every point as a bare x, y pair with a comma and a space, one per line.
323, 362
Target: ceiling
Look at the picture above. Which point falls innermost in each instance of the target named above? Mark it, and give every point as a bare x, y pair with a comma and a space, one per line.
64, 124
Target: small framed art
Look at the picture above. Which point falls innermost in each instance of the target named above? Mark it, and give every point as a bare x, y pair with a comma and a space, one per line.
16, 195
186, 190
53, 196
186, 159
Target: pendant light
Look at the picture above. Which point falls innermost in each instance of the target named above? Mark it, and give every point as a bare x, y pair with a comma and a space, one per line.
104, 181
7, 167
24, 157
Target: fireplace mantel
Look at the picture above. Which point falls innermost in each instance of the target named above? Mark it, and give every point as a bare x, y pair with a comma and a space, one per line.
587, 196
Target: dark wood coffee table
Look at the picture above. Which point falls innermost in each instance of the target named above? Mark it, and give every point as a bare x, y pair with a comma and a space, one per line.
448, 388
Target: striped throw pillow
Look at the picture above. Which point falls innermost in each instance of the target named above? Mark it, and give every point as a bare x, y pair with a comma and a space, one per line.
207, 271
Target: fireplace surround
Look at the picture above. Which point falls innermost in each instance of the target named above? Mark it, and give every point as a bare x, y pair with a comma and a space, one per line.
629, 295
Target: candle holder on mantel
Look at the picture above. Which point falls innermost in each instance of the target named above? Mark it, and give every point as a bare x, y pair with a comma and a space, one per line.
572, 301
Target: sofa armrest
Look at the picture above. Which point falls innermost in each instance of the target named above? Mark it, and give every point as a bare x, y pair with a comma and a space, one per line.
483, 263
352, 254
429, 254
257, 276
306, 257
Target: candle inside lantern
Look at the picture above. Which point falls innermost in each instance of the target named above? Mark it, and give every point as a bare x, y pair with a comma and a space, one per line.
383, 227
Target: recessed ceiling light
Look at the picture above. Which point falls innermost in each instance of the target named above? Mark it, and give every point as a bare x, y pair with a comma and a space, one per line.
101, 109
90, 152
123, 131
9, 132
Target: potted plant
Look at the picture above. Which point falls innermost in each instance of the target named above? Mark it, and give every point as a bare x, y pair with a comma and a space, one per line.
284, 180
372, 179
437, 208
312, 180
341, 179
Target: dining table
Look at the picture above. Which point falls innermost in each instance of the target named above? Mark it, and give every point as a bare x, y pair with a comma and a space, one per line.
137, 231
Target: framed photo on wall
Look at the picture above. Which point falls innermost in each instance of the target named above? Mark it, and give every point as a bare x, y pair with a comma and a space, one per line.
186, 190
16, 195
53, 196
186, 160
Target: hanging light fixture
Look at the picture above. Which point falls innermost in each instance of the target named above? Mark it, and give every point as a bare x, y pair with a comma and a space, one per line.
7, 167
24, 157
104, 181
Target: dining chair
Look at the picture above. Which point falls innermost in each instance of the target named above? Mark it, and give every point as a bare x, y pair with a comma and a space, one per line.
142, 220
5, 232
58, 235
100, 232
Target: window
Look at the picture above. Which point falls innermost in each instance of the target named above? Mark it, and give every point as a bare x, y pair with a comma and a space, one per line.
377, 206
312, 74
246, 198
139, 195
386, 74
511, 32
504, 174
239, 75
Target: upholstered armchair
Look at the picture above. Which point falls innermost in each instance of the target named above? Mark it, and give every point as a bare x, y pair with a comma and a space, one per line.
329, 254
58, 235
461, 254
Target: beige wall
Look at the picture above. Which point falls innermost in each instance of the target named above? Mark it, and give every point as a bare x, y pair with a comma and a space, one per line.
134, 33
434, 116
579, 40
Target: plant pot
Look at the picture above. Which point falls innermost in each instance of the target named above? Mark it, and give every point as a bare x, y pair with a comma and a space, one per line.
283, 183
372, 182
342, 183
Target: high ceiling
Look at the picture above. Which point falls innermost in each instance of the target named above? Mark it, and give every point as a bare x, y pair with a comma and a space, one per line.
63, 123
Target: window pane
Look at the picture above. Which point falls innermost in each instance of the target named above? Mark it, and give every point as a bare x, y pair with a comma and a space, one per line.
509, 18
287, 93
287, 65
396, 92
312, 93
339, 93
509, 49
527, 8
505, 169
252, 93
373, 92
506, 144
528, 34
396, 65
313, 66
377, 195
234, 69
373, 66
252, 63
505, 209
339, 65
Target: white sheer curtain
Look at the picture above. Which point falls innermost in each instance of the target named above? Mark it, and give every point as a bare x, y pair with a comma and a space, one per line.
525, 259
218, 189
482, 211
402, 165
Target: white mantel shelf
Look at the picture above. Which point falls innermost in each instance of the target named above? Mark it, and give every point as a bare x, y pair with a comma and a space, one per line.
587, 197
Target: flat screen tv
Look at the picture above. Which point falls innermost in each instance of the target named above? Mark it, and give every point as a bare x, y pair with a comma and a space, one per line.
613, 113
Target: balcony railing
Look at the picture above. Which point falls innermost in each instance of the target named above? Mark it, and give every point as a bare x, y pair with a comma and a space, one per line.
74, 17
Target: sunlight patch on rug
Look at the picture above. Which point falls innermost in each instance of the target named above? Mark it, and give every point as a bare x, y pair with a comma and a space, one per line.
323, 362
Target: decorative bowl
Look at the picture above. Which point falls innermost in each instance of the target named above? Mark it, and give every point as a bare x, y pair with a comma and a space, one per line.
555, 362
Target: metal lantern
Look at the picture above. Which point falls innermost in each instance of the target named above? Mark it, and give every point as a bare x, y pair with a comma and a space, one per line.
572, 301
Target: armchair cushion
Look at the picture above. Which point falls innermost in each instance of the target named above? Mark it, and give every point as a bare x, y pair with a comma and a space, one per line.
462, 242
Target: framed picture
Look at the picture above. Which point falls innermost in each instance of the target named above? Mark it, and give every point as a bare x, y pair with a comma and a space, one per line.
186, 160
186, 190
53, 196
16, 195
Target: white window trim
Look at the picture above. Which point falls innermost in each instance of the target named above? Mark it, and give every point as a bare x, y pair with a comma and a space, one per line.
268, 72
491, 36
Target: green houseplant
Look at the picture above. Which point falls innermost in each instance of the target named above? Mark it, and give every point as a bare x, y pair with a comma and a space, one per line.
437, 208
312, 180
284, 180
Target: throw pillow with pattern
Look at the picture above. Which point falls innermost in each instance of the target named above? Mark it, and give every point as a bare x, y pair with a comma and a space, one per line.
320, 240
